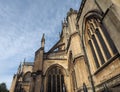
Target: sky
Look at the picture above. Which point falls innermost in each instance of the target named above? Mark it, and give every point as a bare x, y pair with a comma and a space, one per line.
22, 23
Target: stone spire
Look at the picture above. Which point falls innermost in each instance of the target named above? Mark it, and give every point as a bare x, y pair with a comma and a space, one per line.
64, 23
24, 60
43, 41
19, 68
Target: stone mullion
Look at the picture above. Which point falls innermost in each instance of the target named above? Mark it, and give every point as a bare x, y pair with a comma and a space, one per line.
97, 55
60, 83
96, 25
56, 81
106, 42
51, 83
100, 47
103, 35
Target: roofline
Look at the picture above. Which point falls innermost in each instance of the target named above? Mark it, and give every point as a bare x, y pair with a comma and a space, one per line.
80, 10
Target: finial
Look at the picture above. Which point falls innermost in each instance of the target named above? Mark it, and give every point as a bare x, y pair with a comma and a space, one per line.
43, 41
59, 34
43, 38
20, 65
24, 60
62, 23
19, 68
64, 20
71, 9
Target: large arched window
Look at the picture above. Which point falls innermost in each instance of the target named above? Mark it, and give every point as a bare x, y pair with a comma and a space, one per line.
102, 47
55, 81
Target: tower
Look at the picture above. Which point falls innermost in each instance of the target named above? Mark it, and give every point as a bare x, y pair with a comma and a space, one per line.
38, 68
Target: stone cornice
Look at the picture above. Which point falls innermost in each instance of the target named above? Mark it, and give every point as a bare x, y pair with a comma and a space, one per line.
109, 82
106, 64
55, 59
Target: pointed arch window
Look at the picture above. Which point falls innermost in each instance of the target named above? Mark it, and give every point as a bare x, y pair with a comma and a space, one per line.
55, 81
101, 44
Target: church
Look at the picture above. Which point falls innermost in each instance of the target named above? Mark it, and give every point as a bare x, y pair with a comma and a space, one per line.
86, 58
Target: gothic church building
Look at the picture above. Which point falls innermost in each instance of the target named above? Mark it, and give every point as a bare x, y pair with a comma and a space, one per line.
86, 58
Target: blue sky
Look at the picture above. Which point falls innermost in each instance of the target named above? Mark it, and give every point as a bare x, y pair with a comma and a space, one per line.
22, 23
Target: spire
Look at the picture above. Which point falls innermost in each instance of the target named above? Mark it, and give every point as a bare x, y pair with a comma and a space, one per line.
65, 20
59, 34
19, 68
43, 41
43, 38
64, 23
24, 61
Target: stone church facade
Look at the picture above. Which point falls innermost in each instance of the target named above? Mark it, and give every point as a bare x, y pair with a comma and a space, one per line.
85, 59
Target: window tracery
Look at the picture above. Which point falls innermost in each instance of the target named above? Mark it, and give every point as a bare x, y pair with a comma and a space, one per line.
101, 45
55, 80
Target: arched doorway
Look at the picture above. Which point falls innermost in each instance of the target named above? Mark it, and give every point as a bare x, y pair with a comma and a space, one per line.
55, 80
